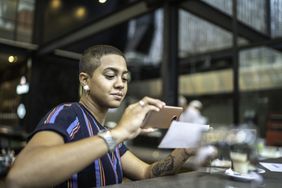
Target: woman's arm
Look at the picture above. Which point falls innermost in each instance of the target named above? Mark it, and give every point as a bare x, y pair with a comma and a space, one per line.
47, 161
171, 164
134, 168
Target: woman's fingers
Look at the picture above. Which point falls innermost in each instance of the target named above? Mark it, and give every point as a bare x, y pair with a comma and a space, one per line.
151, 102
148, 130
134, 115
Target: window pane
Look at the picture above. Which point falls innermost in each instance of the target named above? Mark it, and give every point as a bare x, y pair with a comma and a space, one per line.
260, 68
197, 35
260, 84
7, 18
16, 19
252, 13
276, 18
7, 28
25, 20
8, 9
144, 38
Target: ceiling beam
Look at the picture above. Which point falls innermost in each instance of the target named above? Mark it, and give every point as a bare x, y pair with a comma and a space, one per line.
118, 17
11, 46
67, 54
219, 18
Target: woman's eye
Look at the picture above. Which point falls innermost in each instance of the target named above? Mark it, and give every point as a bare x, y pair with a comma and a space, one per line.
125, 79
109, 76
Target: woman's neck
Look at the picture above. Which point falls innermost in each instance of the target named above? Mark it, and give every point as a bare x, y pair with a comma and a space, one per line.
98, 112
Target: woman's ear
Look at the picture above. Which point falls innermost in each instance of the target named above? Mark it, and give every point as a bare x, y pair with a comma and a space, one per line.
83, 78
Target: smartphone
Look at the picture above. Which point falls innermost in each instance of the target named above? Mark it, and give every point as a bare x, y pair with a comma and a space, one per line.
163, 118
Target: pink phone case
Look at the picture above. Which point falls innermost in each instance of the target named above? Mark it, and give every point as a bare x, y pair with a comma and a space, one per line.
163, 118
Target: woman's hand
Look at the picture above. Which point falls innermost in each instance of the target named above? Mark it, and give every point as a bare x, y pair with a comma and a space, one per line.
131, 121
203, 156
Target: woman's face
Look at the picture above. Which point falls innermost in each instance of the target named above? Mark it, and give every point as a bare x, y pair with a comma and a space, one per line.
108, 84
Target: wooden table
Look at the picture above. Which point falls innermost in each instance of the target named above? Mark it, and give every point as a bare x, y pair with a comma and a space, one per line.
207, 179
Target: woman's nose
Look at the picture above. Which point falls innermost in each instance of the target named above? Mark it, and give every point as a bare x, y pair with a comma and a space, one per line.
119, 82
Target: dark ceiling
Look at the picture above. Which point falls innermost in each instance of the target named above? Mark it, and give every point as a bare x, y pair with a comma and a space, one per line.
107, 23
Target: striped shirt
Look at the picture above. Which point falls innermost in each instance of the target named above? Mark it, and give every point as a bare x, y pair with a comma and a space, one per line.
74, 122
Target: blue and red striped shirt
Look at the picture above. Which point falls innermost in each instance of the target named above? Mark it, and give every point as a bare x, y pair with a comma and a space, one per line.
74, 122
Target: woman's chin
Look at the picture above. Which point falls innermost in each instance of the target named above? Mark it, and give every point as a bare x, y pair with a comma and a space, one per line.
115, 104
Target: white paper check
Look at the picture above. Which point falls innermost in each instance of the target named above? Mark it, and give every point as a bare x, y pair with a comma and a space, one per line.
183, 135
275, 167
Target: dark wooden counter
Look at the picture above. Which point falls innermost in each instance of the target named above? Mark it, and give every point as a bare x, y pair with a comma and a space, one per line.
207, 179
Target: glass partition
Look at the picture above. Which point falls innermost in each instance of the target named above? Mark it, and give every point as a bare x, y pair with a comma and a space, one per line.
260, 84
276, 18
16, 19
197, 36
252, 13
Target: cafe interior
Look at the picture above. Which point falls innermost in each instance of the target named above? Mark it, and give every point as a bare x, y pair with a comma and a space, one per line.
227, 54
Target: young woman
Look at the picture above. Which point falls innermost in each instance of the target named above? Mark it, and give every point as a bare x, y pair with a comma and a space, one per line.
71, 147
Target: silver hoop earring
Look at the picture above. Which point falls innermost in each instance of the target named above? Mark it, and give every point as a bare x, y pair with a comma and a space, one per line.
86, 88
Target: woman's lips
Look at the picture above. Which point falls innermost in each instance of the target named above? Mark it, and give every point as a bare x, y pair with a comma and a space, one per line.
117, 96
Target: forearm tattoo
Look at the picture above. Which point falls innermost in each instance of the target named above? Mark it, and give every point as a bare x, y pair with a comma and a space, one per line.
164, 167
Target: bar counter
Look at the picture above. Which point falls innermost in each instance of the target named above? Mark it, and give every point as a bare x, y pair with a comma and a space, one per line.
207, 179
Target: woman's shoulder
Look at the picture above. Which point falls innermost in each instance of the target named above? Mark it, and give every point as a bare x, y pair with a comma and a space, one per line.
68, 109
67, 105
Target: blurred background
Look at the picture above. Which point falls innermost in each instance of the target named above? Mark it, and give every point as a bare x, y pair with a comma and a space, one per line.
224, 53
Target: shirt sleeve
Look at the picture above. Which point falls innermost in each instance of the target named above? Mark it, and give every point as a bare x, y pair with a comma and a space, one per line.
59, 119
122, 149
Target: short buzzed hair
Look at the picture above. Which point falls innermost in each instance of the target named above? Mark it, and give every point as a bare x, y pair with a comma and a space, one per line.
91, 57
